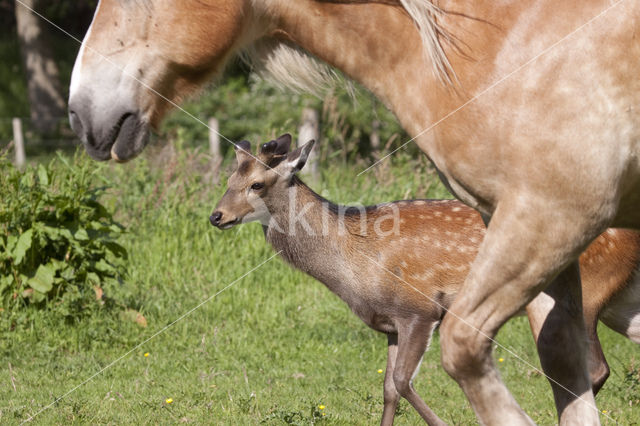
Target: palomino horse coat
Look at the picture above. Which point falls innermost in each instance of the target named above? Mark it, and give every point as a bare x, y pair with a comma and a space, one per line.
537, 109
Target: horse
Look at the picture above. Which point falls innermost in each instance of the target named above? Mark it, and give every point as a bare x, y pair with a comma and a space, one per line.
527, 108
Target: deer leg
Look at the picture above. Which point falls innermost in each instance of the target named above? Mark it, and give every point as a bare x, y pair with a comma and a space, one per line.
521, 254
391, 395
538, 310
412, 343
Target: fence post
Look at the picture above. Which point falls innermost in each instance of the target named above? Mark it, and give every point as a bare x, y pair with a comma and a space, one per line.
214, 149
18, 141
310, 129
374, 138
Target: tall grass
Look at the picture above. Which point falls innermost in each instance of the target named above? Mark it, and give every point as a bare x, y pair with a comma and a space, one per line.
272, 348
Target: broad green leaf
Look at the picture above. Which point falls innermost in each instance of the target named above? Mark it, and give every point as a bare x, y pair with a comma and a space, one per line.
37, 297
103, 266
68, 273
93, 277
116, 249
5, 282
51, 232
11, 242
65, 233
81, 234
24, 243
43, 176
43, 280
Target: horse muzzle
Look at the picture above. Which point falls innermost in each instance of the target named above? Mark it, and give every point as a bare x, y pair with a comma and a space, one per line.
119, 133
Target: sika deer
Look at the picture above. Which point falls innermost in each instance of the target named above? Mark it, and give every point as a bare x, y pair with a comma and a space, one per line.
399, 265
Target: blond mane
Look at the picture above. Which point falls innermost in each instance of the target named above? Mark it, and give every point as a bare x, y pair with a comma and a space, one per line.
291, 67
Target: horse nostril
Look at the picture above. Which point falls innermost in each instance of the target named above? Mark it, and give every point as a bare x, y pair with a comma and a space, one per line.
215, 218
76, 123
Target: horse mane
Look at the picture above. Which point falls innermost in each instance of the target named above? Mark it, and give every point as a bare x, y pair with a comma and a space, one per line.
293, 68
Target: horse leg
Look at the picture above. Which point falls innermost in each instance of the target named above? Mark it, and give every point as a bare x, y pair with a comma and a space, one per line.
391, 395
598, 366
520, 255
538, 311
412, 344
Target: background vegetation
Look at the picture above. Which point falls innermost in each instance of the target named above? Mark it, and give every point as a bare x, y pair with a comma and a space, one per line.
274, 347
271, 348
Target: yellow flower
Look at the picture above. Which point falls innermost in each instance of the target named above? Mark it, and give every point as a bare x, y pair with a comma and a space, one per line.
323, 414
604, 411
380, 371
322, 407
500, 359
168, 400
146, 354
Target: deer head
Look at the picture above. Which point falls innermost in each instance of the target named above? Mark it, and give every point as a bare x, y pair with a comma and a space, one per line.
259, 181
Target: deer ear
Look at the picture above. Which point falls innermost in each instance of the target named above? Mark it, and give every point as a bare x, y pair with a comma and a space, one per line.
283, 144
298, 158
242, 148
277, 147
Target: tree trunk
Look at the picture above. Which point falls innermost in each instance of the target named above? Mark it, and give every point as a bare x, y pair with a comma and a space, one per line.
43, 83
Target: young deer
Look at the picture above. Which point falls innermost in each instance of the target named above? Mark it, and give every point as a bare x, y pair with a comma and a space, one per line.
399, 265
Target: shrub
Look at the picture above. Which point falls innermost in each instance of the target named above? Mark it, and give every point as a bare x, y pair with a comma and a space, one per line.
58, 243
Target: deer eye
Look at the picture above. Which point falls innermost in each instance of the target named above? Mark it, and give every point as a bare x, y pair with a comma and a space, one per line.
257, 186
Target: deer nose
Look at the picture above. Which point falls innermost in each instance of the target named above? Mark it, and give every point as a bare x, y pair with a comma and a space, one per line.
215, 218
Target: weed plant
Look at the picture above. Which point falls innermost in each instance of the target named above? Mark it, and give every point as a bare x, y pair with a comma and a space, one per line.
58, 244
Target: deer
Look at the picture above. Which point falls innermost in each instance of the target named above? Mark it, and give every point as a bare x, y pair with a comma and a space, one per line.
400, 265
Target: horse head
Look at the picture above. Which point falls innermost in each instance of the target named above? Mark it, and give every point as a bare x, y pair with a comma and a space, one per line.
141, 57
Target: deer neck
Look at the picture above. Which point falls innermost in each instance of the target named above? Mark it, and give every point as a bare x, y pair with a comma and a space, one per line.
305, 229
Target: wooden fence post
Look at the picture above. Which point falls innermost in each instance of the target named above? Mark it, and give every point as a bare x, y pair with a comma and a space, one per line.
18, 140
310, 129
374, 138
214, 149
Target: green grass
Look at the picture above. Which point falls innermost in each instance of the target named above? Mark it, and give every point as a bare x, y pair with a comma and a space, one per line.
271, 348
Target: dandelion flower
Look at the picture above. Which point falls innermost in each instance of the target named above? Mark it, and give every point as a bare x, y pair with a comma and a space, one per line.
146, 354
604, 411
380, 371
321, 407
500, 359
168, 400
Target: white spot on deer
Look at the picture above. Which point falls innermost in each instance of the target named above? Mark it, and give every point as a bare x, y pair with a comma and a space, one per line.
456, 209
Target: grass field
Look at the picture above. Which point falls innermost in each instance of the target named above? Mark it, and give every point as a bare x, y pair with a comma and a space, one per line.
271, 348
